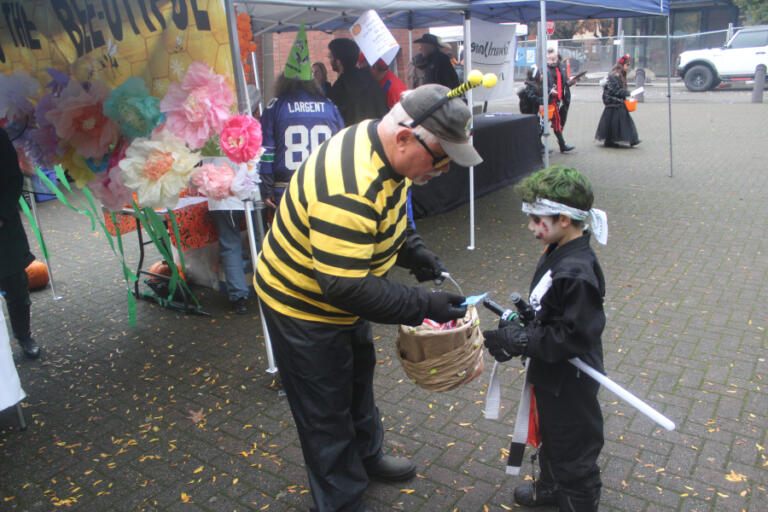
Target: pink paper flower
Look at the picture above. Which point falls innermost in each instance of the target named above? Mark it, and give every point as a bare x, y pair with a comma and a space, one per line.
109, 188
213, 180
197, 106
79, 119
241, 138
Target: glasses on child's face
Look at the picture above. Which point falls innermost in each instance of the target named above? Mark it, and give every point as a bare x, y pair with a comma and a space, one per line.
437, 161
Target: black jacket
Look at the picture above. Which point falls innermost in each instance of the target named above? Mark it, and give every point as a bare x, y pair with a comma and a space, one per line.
439, 70
358, 96
614, 92
14, 248
570, 317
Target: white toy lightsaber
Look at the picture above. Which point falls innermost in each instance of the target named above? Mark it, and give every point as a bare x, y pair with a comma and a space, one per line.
604, 380
633, 400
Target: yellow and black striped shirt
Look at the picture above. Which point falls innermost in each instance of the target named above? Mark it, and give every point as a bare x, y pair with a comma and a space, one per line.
342, 216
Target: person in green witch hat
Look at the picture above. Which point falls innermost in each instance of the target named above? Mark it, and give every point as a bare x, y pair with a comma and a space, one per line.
296, 121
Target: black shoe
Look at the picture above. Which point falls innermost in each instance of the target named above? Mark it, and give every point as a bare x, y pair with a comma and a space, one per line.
241, 306
565, 148
31, 349
536, 494
389, 468
610, 144
635, 143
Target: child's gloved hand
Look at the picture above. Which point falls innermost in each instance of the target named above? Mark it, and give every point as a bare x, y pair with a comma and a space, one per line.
507, 342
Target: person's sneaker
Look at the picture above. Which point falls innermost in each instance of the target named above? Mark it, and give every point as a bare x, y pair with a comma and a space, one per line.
389, 468
241, 306
536, 494
31, 348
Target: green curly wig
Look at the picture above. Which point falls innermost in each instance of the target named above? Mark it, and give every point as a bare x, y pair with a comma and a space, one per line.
557, 183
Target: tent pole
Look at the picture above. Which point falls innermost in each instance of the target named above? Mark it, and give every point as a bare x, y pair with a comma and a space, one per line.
410, 38
467, 68
243, 106
669, 98
544, 77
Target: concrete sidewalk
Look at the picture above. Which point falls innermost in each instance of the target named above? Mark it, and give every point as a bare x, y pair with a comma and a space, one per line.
178, 413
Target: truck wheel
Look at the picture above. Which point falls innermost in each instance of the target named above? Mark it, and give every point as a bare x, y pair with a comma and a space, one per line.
699, 78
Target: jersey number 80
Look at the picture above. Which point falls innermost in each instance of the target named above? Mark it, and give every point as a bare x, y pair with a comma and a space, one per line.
300, 142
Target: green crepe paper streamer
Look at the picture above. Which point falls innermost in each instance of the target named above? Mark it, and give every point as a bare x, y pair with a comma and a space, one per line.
53, 188
159, 236
35, 227
128, 273
179, 242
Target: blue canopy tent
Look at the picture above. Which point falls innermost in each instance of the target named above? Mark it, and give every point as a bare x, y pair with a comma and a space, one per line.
287, 15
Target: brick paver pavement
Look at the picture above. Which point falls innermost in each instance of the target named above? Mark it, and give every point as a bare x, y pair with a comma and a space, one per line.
686, 267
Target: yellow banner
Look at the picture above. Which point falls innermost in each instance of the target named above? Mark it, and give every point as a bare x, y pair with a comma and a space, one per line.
112, 40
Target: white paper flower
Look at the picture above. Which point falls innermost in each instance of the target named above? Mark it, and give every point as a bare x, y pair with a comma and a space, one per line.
158, 169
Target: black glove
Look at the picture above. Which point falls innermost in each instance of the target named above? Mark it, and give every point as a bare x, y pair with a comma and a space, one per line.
425, 265
507, 342
444, 306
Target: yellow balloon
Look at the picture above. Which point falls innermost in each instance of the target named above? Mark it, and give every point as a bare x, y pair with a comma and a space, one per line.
489, 80
475, 77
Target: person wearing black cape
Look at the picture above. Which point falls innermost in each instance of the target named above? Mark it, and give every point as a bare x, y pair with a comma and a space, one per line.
615, 124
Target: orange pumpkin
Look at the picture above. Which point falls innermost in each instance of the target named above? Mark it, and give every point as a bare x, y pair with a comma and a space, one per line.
162, 268
37, 274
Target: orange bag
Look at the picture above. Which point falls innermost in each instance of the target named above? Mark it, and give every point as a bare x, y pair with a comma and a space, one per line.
550, 109
631, 104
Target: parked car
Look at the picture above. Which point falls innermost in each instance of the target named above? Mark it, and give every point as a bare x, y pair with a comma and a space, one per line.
735, 62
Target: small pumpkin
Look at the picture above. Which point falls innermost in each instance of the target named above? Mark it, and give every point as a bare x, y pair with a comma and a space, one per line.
162, 268
37, 274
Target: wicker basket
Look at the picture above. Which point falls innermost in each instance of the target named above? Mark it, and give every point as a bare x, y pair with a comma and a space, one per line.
439, 360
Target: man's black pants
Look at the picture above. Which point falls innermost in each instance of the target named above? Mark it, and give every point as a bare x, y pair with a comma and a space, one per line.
327, 372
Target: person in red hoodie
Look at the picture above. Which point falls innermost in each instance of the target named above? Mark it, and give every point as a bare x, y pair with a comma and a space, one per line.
392, 86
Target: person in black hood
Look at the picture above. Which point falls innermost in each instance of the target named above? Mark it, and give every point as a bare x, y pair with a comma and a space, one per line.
355, 92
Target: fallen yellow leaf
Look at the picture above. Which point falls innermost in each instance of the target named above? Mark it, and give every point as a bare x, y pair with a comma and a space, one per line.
735, 477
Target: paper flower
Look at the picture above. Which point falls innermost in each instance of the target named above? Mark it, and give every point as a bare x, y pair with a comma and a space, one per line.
79, 119
198, 105
133, 108
109, 188
158, 169
75, 165
45, 133
213, 180
241, 138
58, 81
16, 91
245, 183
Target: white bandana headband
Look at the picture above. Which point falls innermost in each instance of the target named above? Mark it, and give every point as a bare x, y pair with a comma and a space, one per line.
598, 220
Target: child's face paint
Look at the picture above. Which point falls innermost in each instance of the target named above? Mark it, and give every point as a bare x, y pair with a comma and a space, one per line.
544, 228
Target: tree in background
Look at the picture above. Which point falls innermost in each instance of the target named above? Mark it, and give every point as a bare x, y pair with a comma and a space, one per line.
754, 12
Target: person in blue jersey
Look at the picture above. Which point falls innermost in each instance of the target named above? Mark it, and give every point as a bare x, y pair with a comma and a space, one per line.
322, 280
295, 122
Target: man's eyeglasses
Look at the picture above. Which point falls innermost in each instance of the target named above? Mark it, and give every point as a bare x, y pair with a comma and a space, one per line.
437, 161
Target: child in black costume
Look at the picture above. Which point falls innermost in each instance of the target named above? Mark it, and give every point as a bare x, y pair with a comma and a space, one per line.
615, 123
567, 294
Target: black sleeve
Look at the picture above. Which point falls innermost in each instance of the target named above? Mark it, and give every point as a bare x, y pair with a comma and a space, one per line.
11, 179
376, 298
412, 242
569, 323
533, 95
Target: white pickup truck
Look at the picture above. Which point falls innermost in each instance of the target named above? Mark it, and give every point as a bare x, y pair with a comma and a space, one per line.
735, 62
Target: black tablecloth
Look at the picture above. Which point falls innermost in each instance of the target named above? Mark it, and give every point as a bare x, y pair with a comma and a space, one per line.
510, 150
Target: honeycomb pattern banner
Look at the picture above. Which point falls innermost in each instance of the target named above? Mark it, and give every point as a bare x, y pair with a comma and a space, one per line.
112, 40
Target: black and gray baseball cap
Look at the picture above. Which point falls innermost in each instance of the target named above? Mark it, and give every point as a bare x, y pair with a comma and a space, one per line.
449, 122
